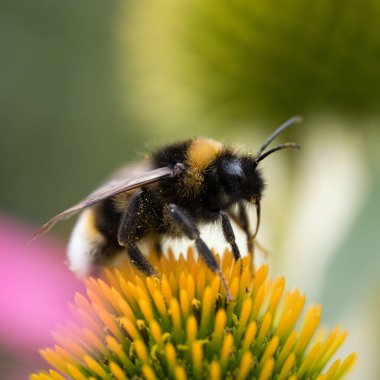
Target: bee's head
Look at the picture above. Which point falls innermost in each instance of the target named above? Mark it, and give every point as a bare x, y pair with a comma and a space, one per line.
231, 179
239, 177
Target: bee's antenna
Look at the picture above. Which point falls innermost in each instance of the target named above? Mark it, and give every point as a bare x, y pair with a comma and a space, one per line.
275, 149
288, 123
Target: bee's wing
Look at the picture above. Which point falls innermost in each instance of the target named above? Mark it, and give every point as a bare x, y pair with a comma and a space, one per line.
108, 190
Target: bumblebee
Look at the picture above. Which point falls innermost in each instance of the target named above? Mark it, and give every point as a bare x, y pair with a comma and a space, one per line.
172, 192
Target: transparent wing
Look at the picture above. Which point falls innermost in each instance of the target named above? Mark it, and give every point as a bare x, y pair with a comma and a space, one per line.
109, 189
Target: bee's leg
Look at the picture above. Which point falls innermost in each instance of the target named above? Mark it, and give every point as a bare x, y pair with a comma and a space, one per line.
243, 217
188, 227
229, 235
127, 235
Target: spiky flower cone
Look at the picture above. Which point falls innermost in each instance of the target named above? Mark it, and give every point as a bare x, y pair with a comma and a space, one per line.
181, 326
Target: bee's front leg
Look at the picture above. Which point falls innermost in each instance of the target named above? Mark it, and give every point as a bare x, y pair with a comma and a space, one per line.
188, 227
229, 235
132, 218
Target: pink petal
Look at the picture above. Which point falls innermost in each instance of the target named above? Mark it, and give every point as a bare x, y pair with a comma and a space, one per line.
35, 287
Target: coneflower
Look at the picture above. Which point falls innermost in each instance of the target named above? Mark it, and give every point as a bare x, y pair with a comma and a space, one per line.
181, 326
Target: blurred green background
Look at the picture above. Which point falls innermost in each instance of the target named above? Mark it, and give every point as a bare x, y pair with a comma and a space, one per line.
89, 85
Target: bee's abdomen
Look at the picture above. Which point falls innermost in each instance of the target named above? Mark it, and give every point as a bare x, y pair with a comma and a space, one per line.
107, 220
86, 244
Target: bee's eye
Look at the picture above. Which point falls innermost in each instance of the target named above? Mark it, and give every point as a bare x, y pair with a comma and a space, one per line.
233, 168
